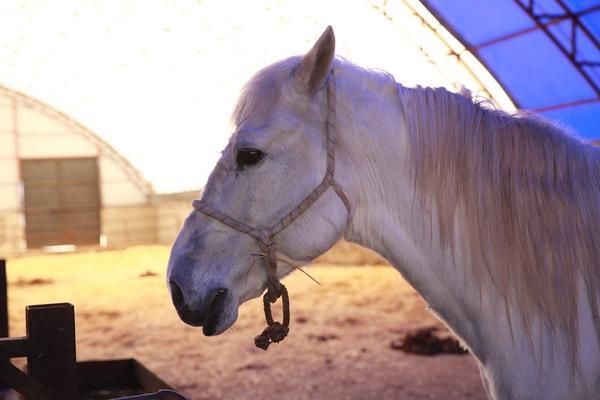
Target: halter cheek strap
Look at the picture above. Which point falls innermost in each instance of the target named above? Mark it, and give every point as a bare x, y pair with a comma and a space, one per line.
275, 331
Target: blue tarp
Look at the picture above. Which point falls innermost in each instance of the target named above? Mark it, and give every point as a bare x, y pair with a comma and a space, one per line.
545, 53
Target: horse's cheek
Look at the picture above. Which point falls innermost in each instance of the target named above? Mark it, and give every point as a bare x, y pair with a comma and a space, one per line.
316, 231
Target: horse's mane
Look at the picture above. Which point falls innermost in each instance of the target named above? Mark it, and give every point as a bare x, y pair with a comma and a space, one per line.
527, 193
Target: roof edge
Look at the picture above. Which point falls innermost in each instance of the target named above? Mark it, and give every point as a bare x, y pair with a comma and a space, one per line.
104, 148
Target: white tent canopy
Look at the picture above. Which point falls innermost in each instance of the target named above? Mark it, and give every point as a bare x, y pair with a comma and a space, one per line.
158, 80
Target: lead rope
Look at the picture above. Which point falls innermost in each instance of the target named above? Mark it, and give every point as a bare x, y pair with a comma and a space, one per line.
275, 331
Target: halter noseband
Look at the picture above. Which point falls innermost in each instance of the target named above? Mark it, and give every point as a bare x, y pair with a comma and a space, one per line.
275, 331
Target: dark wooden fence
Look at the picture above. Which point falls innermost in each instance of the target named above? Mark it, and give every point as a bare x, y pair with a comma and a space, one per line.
53, 372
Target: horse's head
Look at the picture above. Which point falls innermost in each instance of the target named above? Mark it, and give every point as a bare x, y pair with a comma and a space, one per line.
275, 158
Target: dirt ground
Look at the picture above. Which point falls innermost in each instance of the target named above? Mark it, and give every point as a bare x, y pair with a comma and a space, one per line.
338, 347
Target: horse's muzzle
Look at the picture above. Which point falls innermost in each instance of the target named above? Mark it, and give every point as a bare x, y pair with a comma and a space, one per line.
206, 314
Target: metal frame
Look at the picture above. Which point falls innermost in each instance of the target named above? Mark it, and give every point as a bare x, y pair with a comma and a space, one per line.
452, 52
542, 22
498, 95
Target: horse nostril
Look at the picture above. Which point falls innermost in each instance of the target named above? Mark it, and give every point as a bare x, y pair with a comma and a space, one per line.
218, 296
176, 295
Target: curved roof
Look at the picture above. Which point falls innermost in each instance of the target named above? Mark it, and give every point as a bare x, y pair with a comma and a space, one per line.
103, 147
544, 53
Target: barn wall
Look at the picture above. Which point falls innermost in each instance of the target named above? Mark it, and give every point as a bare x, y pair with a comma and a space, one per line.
120, 226
9, 184
42, 136
129, 213
170, 217
12, 232
6, 118
117, 189
11, 221
31, 130
126, 226
172, 209
9, 175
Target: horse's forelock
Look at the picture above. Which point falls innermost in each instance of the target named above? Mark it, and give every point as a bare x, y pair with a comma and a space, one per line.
263, 92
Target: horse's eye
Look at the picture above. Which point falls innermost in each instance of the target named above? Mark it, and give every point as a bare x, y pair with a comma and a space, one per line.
248, 157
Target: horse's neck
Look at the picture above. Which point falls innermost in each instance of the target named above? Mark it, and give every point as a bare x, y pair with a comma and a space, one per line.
387, 218
374, 169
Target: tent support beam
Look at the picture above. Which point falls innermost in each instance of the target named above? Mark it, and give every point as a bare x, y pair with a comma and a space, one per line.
542, 23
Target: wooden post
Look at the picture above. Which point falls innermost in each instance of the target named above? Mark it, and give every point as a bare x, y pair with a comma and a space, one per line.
3, 301
52, 360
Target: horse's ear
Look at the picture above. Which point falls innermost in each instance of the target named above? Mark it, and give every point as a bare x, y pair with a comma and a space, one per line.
316, 64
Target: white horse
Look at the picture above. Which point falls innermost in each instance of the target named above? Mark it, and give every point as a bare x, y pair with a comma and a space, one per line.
493, 218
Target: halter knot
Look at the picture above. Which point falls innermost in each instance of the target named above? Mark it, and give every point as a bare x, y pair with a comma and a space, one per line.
267, 244
275, 332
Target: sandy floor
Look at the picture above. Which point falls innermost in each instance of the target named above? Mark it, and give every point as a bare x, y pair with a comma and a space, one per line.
339, 346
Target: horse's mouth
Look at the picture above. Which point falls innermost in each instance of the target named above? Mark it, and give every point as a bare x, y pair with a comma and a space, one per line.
190, 317
213, 324
214, 318
216, 311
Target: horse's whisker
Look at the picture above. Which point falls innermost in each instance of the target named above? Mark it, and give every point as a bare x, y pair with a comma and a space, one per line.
258, 254
301, 270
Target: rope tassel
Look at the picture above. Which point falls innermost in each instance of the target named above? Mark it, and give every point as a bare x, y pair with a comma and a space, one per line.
275, 332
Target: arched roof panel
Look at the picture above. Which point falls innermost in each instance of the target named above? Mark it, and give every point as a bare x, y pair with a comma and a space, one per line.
489, 15
523, 67
54, 118
545, 53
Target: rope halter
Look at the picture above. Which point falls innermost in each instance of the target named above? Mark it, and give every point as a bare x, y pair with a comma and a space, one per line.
276, 331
